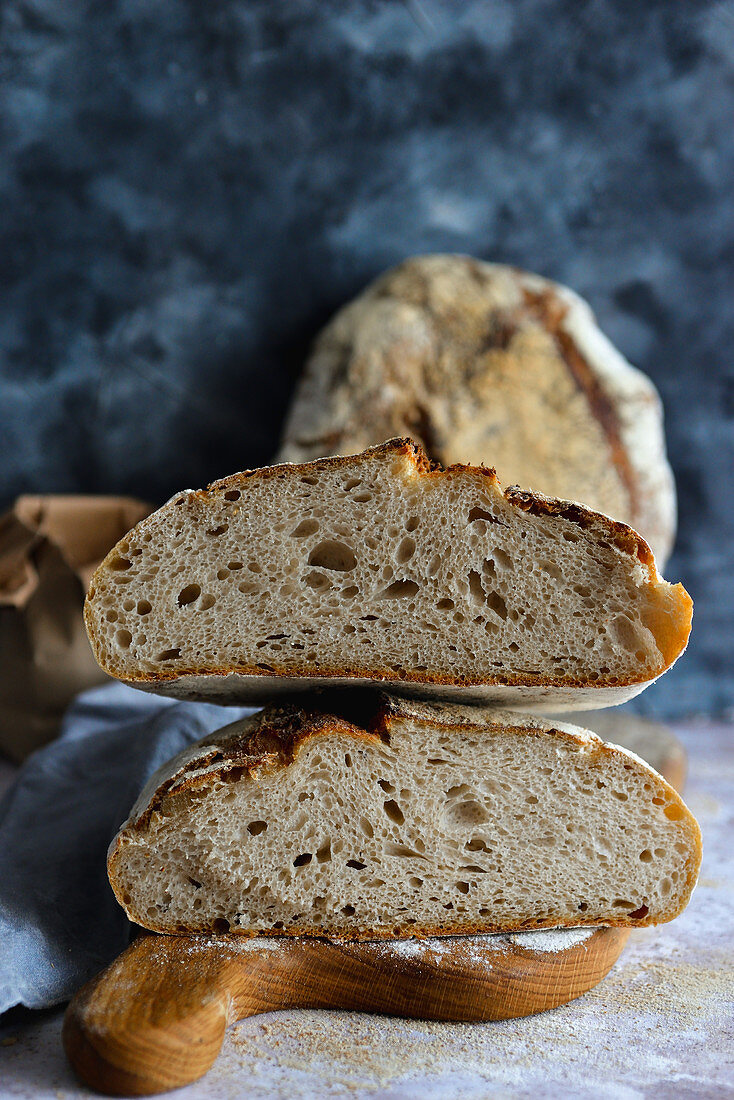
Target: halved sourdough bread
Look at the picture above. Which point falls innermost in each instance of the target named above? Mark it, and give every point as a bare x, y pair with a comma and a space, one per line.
484, 363
378, 567
398, 819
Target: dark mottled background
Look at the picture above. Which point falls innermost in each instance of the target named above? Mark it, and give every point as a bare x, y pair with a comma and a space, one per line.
190, 188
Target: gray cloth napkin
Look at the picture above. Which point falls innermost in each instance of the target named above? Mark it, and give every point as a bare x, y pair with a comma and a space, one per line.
59, 920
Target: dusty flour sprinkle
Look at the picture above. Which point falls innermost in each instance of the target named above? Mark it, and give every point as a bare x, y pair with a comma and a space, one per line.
474, 948
551, 940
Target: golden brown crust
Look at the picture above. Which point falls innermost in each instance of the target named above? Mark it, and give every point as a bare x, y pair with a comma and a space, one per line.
623, 536
397, 446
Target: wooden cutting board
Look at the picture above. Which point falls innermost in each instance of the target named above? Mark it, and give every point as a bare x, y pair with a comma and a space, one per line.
155, 1019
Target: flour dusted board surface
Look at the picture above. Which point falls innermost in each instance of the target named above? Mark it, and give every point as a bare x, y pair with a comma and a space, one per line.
156, 1018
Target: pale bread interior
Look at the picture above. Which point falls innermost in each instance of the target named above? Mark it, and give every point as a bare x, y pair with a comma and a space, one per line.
447, 824
375, 567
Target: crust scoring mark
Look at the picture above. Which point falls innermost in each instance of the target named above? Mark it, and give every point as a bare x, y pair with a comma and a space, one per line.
551, 312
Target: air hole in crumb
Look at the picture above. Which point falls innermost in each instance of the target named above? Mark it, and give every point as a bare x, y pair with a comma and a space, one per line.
582, 907
323, 855
638, 914
257, 827
366, 827
402, 851
169, 655
405, 551
214, 531
221, 924
467, 814
305, 528
411, 523
348, 910
330, 554
356, 864
188, 594
302, 860
123, 638
673, 812
446, 604
498, 605
462, 887
232, 494
118, 564
144, 607
481, 513
317, 580
398, 590
194, 882
206, 601
394, 812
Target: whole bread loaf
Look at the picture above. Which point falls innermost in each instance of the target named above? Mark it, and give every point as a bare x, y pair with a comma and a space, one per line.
483, 363
361, 820
377, 567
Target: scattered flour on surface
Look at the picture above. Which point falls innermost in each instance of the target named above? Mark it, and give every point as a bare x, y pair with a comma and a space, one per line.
553, 940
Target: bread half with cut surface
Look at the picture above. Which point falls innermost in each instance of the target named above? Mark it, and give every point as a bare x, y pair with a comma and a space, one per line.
379, 567
399, 819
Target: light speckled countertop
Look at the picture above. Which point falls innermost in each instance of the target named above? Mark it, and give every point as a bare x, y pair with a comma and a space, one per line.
661, 1023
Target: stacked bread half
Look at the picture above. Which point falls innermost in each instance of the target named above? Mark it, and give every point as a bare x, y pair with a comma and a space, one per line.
381, 607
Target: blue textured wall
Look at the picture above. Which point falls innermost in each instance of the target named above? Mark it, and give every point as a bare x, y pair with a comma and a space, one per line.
189, 189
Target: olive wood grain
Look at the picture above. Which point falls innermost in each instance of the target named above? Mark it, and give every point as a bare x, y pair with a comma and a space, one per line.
155, 1018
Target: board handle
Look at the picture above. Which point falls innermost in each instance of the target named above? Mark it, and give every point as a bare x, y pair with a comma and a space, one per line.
153, 1020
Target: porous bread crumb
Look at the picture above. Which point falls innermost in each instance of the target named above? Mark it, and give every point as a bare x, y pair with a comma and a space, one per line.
376, 567
424, 820
659, 1024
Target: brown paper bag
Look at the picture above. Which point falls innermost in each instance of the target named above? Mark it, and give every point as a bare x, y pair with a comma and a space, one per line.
49, 548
